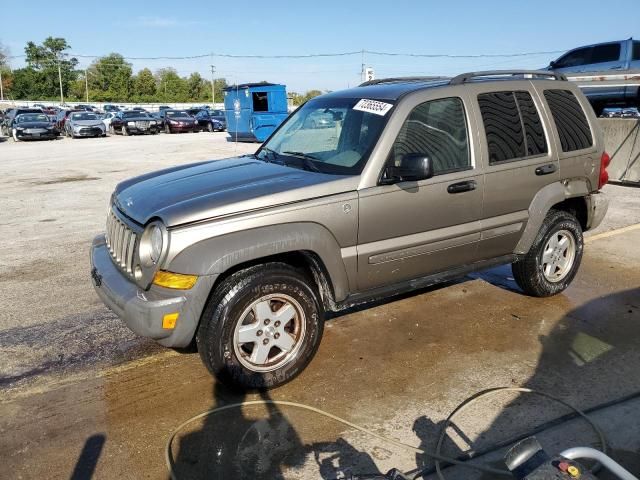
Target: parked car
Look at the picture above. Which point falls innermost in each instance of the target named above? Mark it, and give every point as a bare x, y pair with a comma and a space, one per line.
426, 180
84, 124
612, 61
111, 108
106, 119
164, 107
630, 113
138, 109
33, 126
177, 121
134, 123
10, 116
211, 120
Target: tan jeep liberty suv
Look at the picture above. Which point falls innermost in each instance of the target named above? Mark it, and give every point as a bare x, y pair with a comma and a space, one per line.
404, 183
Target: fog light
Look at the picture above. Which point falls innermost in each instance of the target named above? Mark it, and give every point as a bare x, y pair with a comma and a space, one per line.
169, 320
174, 280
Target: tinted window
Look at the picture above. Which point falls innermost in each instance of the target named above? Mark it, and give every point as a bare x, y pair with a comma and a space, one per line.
502, 125
609, 52
581, 56
636, 51
436, 129
535, 141
571, 122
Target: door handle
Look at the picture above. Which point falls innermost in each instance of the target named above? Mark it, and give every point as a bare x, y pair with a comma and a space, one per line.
546, 169
462, 186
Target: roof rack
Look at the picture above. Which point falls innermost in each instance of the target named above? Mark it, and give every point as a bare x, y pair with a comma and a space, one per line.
467, 77
378, 81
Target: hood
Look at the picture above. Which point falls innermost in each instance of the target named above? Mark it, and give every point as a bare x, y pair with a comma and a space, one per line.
86, 123
216, 188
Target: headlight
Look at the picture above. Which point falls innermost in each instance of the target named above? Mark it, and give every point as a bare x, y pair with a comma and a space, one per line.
152, 122
152, 243
131, 124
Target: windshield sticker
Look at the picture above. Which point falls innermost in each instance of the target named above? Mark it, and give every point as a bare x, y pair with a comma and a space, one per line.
373, 106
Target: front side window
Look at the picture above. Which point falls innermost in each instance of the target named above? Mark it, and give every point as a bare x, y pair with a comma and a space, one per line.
581, 56
512, 126
570, 119
341, 146
436, 129
636, 51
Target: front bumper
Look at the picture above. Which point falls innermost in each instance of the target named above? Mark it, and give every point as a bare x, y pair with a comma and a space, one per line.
598, 204
88, 132
142, 131
143, 310
182, 128
47, 134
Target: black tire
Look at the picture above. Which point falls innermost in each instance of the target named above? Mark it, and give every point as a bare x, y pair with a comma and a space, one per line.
215, 336
210, 127
167, 128
528, 270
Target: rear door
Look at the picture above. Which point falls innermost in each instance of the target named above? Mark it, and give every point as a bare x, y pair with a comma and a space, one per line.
412, 229
518, 162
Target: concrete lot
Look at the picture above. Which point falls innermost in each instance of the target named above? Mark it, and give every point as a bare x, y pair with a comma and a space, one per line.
79, 390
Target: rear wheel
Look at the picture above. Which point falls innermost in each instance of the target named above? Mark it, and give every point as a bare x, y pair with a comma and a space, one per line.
124, 131
261, 327
554, 258
210, 127
14, 135
167, 129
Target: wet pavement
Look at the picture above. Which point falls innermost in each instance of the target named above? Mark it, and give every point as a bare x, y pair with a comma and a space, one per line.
398, 368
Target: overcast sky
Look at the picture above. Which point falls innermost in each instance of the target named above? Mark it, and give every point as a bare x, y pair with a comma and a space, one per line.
456, 27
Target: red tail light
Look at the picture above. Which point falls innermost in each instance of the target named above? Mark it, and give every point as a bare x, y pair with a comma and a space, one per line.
604, 176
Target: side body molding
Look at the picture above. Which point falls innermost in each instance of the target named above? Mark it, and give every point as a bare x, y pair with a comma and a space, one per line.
546, 198
218, 254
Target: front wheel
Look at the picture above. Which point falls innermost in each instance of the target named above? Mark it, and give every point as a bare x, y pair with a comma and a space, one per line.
261, 327
167, 129
210, 127
14, 134
124, 131
554, 258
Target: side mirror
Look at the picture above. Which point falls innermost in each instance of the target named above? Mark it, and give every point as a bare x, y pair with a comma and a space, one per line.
412, 167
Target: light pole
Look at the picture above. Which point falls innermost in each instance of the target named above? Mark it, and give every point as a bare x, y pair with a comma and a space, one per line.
86, 83
60, 79
213, 88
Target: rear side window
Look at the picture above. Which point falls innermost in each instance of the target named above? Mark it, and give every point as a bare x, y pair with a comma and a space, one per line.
636, 51
437, 129
609, 52
570, 119
512, 126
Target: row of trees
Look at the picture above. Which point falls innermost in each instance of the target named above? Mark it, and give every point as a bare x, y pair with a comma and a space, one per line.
49, 68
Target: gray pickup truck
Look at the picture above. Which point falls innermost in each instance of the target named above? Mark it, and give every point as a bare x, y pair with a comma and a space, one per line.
607, 73
413, 182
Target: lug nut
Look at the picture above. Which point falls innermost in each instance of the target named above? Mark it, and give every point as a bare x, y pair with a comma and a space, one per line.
259, 332
265, 341
266, 322
277, 324
276, 336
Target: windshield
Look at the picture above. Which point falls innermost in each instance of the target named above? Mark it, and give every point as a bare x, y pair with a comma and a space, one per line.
84, 116
32, 117
134, 114
329, 135
177, 113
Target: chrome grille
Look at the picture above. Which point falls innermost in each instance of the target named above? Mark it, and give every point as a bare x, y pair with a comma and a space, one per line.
121, 241
142, 124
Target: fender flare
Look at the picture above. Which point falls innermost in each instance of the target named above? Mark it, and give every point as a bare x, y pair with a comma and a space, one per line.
216, 255
546, 198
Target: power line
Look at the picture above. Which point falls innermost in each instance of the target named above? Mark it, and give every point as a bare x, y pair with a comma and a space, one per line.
321, 55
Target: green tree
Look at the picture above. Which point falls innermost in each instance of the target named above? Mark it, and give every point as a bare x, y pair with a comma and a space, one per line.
5, 71
300, 99
197, 87
171, 87
45, 59
110, 78
145, 85
219, 85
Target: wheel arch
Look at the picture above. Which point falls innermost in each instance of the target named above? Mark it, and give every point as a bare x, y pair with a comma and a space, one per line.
569, 195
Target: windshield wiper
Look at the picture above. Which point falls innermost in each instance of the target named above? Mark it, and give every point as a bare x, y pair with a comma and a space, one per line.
272, 153
306, 158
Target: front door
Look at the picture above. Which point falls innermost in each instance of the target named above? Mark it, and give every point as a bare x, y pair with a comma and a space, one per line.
412, 229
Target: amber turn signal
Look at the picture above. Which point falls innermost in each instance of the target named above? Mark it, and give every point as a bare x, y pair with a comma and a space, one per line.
179, 281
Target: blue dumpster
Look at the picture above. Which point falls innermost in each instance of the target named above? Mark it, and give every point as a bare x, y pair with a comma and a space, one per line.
254, 110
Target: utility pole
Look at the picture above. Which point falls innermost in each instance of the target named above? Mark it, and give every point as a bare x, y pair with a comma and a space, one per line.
213, 88
60, 79
86, 82
362, 68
